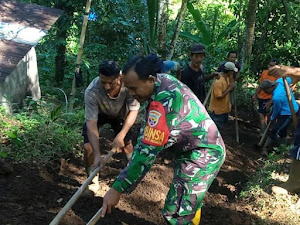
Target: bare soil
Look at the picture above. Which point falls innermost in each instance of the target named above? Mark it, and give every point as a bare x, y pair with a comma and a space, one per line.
34, 193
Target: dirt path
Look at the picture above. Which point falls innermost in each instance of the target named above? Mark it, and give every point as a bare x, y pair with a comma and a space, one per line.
33, 194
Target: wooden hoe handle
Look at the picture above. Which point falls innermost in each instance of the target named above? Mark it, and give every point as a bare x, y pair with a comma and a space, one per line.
288, 94
208, 93
263, 138
95, 218
77, 194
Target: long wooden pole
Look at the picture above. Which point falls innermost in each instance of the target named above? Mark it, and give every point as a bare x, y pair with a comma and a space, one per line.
77, 194
95, 218
80, 51
289, 96
237, 135
208, 93
263, 138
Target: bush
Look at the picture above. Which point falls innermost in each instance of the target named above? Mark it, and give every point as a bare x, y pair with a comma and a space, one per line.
39, 135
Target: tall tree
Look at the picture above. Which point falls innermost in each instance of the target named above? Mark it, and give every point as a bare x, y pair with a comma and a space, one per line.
240, 32
288, 19
250, 25
162, 22
63, 27
179, 21
260, 44
152, 6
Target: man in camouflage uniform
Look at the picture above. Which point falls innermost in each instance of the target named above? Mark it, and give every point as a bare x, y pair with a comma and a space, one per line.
175, 117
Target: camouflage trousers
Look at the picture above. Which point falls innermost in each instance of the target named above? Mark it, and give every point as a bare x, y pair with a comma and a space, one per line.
194, 171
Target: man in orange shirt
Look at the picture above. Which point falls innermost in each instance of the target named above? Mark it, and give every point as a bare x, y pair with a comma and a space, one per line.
220, 104
264, 99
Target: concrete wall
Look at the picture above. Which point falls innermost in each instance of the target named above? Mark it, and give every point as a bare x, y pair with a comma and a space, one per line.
23, 81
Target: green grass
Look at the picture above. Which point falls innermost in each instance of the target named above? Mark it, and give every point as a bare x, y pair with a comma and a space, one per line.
272, 209
40, 131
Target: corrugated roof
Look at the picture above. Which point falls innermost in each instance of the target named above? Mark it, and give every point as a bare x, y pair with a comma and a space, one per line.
10, 55
22, 25
30, 15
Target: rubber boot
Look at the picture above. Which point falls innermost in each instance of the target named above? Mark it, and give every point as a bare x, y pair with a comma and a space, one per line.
269, 142
293, 183
196, 220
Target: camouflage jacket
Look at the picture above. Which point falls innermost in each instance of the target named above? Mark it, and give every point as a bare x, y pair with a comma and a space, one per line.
174, 117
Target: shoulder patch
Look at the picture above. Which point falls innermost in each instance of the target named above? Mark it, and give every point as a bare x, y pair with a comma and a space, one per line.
156, 132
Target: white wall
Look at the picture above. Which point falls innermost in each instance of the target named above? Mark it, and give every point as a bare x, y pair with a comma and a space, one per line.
21, 82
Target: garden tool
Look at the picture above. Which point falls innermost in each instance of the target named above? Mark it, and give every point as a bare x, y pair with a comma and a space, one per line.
288, 94
293, 183
263, 138
208, 93
77, 194
262, 130
237, 134
95, 218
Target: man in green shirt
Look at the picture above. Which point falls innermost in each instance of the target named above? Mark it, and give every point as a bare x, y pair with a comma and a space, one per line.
174, 117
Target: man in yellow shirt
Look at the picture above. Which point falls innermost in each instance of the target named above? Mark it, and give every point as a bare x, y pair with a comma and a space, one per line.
220, 104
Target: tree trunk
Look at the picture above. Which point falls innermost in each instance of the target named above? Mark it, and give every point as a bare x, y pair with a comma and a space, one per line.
250, 25
162, 28
63, 25
60, 58
180, 18
152, 6
240, 34
288, 29
263, 38
213, 31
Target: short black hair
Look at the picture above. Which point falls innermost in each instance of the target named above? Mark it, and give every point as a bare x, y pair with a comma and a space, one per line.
156, 61
276, 61
230, 52
143, 66
109, 68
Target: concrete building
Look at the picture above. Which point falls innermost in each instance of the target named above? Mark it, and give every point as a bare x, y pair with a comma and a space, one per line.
22, 26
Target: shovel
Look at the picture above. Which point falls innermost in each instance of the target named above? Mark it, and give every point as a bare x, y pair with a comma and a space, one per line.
263, 138
77, 194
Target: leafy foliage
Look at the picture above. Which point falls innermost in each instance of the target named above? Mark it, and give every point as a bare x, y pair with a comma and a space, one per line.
120, 29
40, 135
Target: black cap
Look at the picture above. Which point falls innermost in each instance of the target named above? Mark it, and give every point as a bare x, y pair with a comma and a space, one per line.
266, 84
198, 48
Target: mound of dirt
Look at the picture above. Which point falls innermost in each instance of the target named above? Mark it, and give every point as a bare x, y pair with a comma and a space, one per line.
33, 194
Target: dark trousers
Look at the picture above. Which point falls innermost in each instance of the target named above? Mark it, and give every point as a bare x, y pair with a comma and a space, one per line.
219, 119
116, 125
295, 151
280, 127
